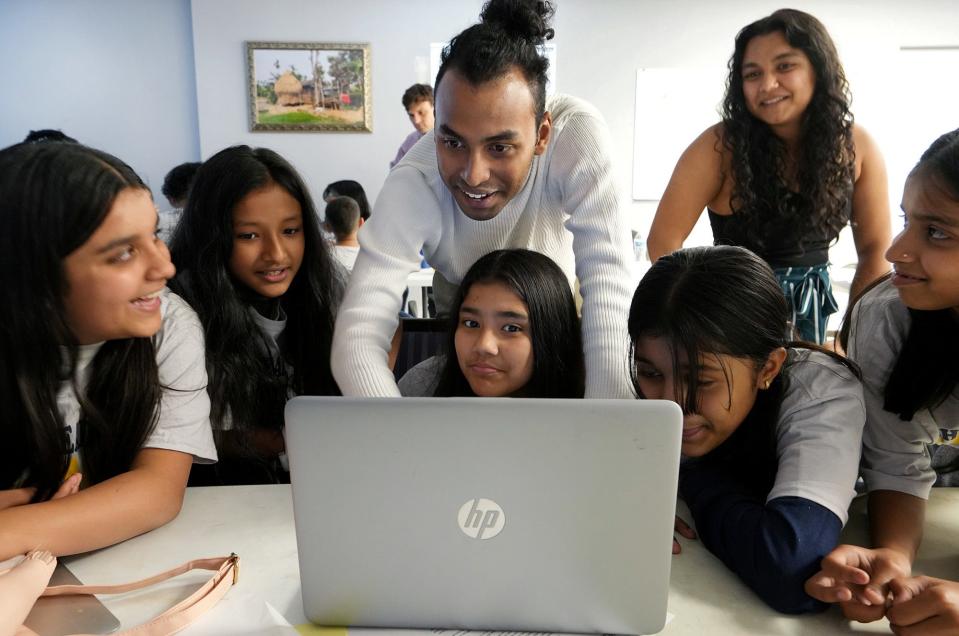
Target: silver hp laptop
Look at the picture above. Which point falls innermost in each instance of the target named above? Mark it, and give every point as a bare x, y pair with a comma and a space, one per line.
485, 514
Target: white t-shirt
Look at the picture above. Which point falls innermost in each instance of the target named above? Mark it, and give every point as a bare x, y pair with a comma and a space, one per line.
346, 255
895, 454
819, 432
567, 209
184, 421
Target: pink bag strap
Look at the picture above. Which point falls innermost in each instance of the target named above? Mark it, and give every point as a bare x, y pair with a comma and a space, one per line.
226, 573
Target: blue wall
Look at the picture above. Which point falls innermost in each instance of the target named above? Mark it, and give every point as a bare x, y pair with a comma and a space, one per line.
115, 74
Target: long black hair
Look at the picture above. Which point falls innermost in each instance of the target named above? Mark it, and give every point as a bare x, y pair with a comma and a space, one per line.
53, 197
826, 163
926, 371
720, 300
554, 328
506, 37
244, 382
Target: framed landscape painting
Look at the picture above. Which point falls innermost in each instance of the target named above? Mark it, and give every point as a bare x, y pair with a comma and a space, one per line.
309, 86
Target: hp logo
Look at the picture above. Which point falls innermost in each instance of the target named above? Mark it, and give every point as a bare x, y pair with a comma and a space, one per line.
481, 519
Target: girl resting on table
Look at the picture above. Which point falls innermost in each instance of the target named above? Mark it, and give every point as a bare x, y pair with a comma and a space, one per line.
101, 367
772, 429
785, 169
515, 334
253, 264
904, 333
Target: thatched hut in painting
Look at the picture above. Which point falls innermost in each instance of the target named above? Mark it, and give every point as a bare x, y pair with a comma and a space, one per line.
289, 90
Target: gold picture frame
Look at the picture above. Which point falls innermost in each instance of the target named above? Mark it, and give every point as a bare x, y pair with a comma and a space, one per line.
309, 86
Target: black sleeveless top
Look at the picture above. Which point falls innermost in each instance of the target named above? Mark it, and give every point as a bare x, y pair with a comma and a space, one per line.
787, 245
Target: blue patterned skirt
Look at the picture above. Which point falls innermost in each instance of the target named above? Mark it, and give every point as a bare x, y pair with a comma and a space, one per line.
809, 294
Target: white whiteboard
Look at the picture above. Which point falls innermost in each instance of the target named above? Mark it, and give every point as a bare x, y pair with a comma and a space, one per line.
673, 106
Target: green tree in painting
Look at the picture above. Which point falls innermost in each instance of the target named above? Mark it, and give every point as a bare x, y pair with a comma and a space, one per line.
346, 71
318, 74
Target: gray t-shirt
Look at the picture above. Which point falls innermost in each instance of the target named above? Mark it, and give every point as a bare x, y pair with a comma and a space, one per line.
819, 432
895, 454
184, 422
421, 380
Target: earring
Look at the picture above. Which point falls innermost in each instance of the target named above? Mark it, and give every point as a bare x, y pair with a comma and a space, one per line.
766, 385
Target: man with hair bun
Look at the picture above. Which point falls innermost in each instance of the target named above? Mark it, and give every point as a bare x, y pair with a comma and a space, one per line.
503, 168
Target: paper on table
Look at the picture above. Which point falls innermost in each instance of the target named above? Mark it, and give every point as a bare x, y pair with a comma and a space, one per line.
239, 613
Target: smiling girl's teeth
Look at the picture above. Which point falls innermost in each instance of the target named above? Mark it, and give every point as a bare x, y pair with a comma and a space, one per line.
476, 196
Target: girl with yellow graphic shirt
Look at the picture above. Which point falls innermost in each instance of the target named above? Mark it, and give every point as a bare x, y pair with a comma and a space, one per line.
101, 368
904, 334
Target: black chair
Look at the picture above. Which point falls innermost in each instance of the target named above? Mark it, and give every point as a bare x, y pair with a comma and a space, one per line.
420, 339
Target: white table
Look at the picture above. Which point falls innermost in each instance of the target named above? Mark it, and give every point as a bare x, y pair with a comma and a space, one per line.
419, 283
256, 522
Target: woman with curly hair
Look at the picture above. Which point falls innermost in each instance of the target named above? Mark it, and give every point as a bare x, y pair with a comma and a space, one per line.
785, 169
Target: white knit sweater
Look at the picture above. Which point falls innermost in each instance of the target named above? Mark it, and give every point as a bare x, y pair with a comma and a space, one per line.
568, 209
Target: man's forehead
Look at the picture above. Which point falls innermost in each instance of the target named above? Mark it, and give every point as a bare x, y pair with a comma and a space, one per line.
506, 98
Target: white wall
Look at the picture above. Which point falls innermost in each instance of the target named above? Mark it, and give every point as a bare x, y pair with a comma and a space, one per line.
399, 34
120, 74
114, 74
600, 46
670, 33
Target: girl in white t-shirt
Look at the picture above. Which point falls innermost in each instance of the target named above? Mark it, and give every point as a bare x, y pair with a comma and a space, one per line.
254, 266
772, 429
514, 333
101, 369
904, 333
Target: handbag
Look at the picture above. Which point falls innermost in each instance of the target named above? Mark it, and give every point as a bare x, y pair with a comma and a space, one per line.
226, 572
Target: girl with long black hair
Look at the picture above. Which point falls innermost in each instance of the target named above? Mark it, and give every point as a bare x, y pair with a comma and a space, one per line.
515, 334
904, 333
253, 264
771, 428
101, 368
785, 170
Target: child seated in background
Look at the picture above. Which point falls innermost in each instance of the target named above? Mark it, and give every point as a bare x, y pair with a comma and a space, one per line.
904, 333
772, 429
342, 219
176, 189
266, 288
102, 375
514, 332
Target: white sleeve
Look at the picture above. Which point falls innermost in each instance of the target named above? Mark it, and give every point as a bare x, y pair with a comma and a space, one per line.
819, 434
580, 167
894, 454
407, 213
184, 421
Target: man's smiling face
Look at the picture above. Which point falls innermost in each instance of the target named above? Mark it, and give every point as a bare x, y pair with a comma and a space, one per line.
486, 137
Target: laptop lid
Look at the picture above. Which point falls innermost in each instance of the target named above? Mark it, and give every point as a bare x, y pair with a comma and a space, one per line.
487, 514
75, 614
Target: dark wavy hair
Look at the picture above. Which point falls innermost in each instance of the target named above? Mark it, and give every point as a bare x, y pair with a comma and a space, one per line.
243, 381
826, 156
926, 372
508, 35
554, 328
694, 299
53, 197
